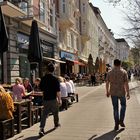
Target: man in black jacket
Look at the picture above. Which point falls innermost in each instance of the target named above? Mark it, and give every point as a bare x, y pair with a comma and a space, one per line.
52, 97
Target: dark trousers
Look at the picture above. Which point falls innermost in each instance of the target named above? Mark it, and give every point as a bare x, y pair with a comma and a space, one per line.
50, 107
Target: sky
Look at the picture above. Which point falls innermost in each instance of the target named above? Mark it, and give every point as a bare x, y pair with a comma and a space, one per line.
112, 16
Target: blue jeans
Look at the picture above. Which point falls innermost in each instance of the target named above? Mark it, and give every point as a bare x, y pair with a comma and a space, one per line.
115, 103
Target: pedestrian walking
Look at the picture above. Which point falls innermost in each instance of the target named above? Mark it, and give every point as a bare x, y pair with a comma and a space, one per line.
52, 98
117, 87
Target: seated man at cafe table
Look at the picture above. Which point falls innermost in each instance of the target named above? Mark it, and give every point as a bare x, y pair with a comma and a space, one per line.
36, 89
6, 105
28, 88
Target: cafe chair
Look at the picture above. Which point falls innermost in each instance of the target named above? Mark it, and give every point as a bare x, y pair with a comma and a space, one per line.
6, 129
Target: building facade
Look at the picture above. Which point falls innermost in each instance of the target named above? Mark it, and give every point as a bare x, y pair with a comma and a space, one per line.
18, 16
123, 49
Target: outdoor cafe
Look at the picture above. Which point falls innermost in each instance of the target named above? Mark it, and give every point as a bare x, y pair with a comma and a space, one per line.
25, 115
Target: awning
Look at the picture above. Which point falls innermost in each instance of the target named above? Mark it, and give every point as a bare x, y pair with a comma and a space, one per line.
79, 63
11, 10
53, 59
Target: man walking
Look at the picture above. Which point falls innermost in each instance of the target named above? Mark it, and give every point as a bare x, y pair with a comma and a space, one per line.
117, 86
52, 97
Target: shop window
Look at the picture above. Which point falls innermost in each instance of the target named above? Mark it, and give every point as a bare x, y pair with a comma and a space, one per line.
24, 67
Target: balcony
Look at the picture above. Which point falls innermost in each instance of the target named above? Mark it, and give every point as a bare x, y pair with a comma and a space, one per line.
11, 10
66, 20
85, 35
24, 14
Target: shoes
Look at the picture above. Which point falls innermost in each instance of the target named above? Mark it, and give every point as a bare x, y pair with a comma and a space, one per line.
122, 124
41, 132
57, 125
116, 127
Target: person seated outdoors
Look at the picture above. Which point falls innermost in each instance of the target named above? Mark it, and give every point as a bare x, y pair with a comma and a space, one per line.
73, 86
69, 86
6, 105
28, 88
63, 87
36, 89
18, 90
63, 90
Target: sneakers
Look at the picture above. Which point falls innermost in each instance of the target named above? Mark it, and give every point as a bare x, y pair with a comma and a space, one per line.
116, 127
122, 124
41, 132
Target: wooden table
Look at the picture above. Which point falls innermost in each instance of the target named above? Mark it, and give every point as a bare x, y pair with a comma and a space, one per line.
18, 113
37, 93
38, 97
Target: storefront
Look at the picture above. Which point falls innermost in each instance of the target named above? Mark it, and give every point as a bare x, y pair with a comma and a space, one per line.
48, 52
83, 66
70, 60
24, 64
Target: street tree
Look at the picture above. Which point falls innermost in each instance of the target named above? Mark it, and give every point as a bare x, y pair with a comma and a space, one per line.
132, 14
136, 55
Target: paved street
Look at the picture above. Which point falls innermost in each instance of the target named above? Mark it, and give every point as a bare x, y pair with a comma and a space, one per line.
91, 118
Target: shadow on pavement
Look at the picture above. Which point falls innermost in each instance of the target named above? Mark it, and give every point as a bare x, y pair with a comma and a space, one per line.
108, 136
38, 137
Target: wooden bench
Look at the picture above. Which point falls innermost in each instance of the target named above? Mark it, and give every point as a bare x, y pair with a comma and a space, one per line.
74, 97
6, 129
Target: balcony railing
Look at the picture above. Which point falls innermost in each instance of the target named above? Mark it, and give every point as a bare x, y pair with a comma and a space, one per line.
21, 10
85, 35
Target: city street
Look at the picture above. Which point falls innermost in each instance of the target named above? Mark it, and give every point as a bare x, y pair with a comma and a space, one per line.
91, 118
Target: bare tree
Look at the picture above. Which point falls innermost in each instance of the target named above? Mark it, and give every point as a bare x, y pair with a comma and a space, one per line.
132, 14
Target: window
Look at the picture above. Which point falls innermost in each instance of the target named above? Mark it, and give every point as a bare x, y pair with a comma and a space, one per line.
64, 6
84, 7
23, 6
51, 17
42, 11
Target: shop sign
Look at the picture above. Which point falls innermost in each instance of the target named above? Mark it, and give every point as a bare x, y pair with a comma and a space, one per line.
23, 41
68, 56
47, 48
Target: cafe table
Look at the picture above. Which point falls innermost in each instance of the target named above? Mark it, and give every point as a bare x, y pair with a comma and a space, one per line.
20, 106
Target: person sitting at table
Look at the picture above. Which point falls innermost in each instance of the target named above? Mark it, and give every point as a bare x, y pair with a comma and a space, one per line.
6, 105
18, 90
36, 86
28, 87
63, 87
36, 89
63, 90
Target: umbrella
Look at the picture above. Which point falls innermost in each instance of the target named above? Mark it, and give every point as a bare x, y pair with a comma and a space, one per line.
3, 40
3, 34
90, 64
97, 64
34, 51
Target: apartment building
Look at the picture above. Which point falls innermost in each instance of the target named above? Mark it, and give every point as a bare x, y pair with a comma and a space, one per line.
18, 17
107, 43
122, 49
69, 35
